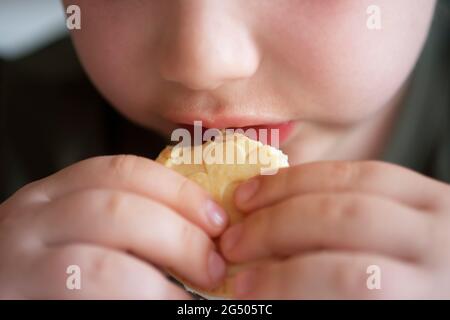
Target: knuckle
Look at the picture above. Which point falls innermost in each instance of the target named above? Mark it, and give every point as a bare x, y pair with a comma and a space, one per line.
344, 172
270, 225
370, 171
183, 189
329, 208
31, 190
190, 189
348, 207
60, 261
285, 179
340, 215
268, 228
331, 215
355, 207
123, 165
114, 204
99, 267
188, 236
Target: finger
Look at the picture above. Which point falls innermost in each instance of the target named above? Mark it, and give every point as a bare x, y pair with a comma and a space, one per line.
332, 275
144, 177
128, 222
345, 221
102, 274
372, 177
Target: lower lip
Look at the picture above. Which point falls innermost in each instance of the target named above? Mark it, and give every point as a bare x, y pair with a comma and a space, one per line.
285, 130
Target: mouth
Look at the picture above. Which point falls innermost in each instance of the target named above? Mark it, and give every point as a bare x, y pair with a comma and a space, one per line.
274, 134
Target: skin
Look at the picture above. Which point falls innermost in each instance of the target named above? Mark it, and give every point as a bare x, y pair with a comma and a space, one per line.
307, 61
311, 62
320, 235
112, 217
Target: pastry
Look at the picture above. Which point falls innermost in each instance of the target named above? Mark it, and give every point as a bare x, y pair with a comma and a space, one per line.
219, 167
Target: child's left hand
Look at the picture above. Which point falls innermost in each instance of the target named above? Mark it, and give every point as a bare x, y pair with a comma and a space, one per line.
321, 225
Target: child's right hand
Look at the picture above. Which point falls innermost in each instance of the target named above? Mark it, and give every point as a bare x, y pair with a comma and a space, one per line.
118, 218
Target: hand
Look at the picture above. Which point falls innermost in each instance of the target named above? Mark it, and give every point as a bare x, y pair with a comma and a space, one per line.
120, 219
321, 225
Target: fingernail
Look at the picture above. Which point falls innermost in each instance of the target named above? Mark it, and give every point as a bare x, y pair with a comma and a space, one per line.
243, 284
246, 190
216, 216
216, 267
231, 237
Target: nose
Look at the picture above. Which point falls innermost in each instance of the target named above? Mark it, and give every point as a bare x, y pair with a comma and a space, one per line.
205, 46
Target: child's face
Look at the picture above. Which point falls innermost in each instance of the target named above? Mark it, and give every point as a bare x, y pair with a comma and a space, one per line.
236, 63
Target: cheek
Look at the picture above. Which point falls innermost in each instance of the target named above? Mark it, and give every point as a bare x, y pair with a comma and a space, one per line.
116, 54
347, 71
